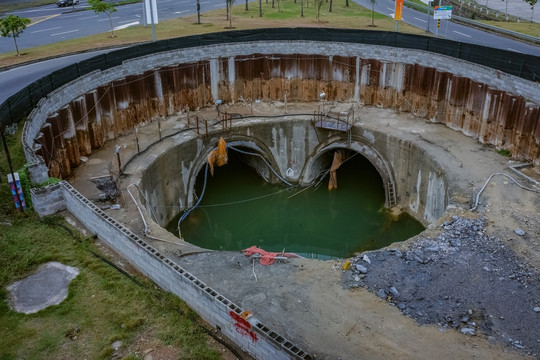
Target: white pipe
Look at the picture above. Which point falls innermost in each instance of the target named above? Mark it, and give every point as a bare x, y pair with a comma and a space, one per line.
144, 221
489, 179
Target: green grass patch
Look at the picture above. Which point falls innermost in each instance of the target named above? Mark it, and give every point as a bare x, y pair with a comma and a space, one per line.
290, 10
527, 28
103, 305
504, 152
24, 5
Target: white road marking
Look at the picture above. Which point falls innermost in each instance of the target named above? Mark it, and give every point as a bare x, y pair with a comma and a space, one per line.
515, 50
390, 9
38, 31
116, 17
218, 5
89, 17
460, 33
126, 25
65, 32
29, 11
422, 20
71, 16
180, 12
123, 22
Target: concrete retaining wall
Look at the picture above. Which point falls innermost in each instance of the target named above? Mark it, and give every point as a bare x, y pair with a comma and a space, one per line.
483, 103
252, 336
293, 149
48, 200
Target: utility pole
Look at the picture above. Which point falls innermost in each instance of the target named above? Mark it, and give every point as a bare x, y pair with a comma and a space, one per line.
428, 6
152, 19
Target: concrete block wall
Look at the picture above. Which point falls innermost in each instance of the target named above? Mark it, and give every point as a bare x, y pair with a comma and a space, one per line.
252, 336
48, 200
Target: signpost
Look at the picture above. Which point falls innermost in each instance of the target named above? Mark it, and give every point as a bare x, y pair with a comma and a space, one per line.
150, 15
441, 13
398, 12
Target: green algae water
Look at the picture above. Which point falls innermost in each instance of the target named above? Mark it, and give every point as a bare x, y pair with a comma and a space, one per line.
239, 210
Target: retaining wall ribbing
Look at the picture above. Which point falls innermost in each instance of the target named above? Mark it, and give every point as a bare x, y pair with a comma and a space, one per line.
491, 77
252, 336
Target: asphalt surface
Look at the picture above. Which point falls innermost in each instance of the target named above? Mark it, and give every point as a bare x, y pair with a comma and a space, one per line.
15, 79
51, 23
450, 30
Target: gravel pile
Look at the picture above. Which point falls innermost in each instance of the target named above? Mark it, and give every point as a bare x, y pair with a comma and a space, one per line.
463, 279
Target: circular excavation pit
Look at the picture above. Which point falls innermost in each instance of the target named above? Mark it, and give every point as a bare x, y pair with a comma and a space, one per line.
451, 277
282, 294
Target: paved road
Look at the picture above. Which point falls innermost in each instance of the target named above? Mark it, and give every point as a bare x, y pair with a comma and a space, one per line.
52, 24
450, 30
17, 78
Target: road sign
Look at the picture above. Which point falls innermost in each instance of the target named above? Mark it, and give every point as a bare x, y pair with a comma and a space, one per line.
438, 23
442, 12
399, 10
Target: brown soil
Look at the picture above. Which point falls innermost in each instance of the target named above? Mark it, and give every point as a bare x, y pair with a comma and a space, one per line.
304, 299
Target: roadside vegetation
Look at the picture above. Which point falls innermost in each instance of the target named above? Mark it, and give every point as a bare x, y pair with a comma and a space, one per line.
354, 17
18, 5
103, 305
527, 28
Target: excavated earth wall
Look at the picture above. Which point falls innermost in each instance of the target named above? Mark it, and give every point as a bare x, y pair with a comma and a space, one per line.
483, 103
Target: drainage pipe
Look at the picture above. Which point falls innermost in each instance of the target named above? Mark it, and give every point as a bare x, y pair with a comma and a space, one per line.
144, 221
489, 179
186, 213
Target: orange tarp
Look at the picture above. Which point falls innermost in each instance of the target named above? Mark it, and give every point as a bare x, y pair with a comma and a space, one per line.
219, 156
267, 257
336, 163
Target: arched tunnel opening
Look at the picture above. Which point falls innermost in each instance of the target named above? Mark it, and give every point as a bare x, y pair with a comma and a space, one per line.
241, 208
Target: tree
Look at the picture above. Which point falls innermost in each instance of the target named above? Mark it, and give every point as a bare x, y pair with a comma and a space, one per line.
103, 7
319, 4
260, 8
13, 26
372, 13
532, 3
229, 11
506, 12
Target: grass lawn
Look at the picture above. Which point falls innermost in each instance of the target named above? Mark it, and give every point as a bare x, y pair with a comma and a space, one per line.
103, 305
354, 16
527, 28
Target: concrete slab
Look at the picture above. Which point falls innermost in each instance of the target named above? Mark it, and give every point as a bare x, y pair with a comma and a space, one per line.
48, 286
